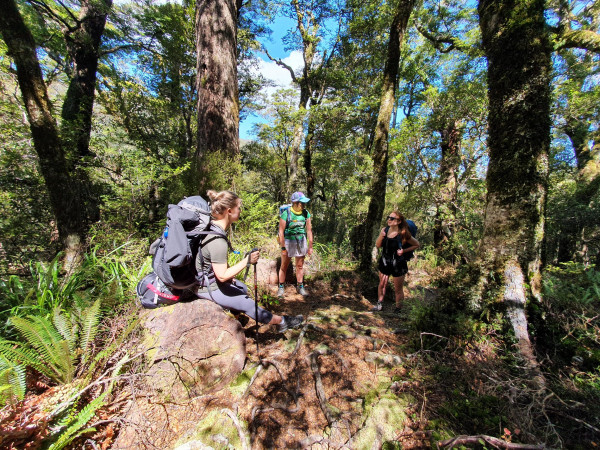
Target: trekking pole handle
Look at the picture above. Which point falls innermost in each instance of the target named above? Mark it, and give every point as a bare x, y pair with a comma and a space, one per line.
255, 249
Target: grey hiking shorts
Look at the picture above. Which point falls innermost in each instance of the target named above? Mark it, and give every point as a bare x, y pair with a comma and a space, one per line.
296, 248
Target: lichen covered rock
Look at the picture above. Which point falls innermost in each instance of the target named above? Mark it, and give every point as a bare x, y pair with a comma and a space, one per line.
194, 348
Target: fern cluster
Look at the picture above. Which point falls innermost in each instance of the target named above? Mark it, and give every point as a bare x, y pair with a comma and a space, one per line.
54, 348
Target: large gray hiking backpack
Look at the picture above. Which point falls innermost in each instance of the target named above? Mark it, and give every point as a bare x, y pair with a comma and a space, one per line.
175, 252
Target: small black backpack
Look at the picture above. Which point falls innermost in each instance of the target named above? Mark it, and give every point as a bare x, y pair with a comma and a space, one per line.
175, 251
413, 231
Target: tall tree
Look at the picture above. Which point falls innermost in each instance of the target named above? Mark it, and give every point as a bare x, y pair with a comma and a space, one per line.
217, 83
310, 17
458, 112
578, 117
82, 40
71, 193
379, 149
517, 47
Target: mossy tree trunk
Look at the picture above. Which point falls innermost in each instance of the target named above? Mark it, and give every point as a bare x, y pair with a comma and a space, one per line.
382, 128
445, 220
70, 191
217, 86
517, 48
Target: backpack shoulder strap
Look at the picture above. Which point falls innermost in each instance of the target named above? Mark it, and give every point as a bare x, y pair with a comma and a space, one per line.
288, 219
386, 231
216, 233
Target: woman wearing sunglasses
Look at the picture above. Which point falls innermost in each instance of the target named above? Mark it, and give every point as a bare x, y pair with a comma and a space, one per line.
394, 240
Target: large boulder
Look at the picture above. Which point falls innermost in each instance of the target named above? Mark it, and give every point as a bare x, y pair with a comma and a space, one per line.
266, 271
193, 348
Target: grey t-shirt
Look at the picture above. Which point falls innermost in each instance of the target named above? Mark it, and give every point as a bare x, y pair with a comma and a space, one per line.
214, 250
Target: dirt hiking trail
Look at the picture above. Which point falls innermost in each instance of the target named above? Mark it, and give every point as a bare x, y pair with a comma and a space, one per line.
335, 382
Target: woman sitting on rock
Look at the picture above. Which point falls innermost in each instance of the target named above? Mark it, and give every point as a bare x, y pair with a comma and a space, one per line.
225, 290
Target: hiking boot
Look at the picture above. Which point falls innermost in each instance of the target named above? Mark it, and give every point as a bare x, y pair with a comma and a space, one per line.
300, 290
280, 292
290, 322
378, 306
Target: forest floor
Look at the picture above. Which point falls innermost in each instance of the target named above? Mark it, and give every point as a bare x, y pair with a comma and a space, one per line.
348, 378
340, 381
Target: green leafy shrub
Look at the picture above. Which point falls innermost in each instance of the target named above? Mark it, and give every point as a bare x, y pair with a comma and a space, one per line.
107, 274
569, 314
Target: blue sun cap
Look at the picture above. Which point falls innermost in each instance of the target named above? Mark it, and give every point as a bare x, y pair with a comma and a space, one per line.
299, 197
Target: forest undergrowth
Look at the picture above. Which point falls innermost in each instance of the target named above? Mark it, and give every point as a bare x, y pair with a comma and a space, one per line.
446, 373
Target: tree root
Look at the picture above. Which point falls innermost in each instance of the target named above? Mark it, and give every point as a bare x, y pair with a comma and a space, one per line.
494, 442
274, 364
244, 438
300, 338
314, 365
254, 377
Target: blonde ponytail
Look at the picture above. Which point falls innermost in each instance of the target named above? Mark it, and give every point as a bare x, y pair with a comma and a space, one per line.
222, 201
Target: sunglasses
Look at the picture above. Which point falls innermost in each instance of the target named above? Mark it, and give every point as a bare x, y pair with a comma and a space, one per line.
393, 218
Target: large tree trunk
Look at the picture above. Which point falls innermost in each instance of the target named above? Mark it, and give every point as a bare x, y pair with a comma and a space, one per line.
518, 52
308, 167
217, 85
382, 129
83, 45
445, 220
64, 191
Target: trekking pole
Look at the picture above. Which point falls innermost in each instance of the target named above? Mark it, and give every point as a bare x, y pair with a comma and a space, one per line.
255, 302
256, 309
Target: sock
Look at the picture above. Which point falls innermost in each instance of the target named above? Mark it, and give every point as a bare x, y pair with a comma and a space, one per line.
282, 323
280, 284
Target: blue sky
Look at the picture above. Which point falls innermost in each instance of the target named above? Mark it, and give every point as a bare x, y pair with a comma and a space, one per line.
271, 70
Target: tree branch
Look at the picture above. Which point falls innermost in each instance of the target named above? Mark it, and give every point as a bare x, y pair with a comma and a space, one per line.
494, 442
440, 40
280, 63
584, 39
42, 8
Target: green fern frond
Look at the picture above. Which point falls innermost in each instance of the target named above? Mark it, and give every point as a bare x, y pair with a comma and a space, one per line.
67, 364
12, 381
40, 334
17, 353
53, 350
75, 429
89, 328
65, 327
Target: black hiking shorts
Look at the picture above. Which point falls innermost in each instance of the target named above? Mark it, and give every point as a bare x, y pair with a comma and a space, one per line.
395, 266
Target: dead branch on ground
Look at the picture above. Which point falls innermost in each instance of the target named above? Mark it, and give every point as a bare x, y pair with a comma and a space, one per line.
483, 439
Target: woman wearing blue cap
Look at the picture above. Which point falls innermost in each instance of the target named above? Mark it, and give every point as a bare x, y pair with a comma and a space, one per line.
296, 240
